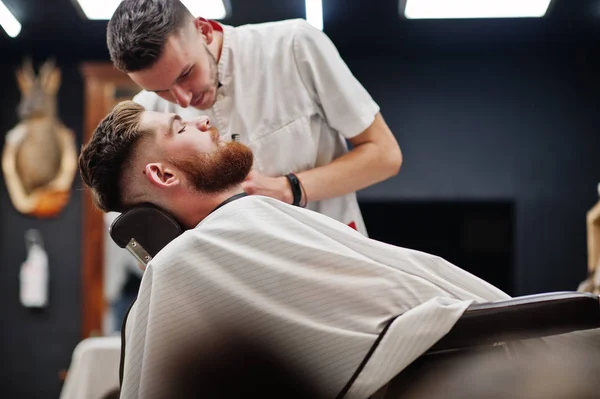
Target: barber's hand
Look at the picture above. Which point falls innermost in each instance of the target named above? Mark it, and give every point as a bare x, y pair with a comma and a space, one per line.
275, 187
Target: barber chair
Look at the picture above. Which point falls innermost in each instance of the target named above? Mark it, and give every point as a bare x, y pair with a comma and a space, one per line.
494, 326
144, 230
499, 329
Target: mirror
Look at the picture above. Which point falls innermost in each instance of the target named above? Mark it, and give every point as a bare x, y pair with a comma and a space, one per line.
122, 278
110, 274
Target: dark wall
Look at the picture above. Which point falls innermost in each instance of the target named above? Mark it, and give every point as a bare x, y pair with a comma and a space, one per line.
36, 345
499, 127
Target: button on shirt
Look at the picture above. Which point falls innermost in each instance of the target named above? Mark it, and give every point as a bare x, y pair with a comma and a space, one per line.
291, 98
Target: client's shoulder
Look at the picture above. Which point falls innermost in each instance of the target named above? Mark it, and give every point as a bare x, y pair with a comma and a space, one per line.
260, 214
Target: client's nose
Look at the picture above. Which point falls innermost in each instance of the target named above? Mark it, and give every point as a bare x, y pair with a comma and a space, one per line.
203, 123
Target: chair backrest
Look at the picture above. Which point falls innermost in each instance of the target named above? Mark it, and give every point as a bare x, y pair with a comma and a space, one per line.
144, 231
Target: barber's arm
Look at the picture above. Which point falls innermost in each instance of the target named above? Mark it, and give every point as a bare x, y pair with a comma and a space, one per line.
375, 157
350, 110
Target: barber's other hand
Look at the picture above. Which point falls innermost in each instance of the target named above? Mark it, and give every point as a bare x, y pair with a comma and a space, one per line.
274, 187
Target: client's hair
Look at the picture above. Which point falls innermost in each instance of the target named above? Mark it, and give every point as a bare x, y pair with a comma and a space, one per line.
102, 159
138, 30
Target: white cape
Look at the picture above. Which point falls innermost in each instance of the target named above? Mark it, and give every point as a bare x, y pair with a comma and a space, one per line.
317, 291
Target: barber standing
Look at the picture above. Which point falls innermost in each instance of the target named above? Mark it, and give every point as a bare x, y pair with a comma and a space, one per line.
282, 86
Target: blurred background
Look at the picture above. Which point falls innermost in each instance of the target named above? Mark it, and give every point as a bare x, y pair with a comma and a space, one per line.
497, 119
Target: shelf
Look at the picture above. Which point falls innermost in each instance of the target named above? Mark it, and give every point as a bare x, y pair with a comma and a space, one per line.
593, 236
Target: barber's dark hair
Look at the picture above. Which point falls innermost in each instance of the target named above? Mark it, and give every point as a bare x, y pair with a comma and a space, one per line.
138, 30
102, 159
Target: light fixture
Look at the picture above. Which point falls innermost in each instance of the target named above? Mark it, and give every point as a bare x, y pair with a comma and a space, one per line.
464, 9
209, 9
98, 10
104, 9
9, 23
314, 13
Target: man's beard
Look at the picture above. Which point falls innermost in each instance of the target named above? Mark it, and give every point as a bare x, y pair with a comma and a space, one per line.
217, 171
214, 68
214, 76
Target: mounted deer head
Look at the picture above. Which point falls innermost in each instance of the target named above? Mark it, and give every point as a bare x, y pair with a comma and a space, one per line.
39, 158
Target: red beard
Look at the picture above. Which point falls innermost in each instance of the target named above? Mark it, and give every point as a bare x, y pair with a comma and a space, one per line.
219, 170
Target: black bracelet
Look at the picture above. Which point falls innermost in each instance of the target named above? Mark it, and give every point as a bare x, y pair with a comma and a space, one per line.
296, 189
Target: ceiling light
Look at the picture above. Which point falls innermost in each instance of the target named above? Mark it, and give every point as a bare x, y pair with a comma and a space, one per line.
314, 13
209, 9
462, 9
9, 23
104, 9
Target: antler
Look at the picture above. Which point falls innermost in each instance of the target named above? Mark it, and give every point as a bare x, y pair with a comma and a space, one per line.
50, 76
47, 68
26, 76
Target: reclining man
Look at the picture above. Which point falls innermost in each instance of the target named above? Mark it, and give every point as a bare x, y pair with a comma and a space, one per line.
346, 311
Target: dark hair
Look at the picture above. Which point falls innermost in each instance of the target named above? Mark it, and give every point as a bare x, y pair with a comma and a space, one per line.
101, 160
138, 30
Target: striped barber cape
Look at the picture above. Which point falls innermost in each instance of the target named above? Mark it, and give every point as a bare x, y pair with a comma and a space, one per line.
347, 311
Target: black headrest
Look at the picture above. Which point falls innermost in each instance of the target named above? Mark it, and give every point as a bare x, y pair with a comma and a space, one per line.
145, 226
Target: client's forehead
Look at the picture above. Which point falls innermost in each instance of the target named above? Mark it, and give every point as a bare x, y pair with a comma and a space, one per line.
156, 121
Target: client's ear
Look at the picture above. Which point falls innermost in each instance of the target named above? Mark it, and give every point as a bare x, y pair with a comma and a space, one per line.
160, 175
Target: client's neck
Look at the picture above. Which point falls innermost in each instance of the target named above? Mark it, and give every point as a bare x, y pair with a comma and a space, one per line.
206, 204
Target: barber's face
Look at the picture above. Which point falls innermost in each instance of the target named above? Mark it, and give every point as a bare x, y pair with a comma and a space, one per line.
186, 72
195, 148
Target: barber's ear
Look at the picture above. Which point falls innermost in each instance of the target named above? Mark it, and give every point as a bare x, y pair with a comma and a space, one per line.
161, 175
204, 28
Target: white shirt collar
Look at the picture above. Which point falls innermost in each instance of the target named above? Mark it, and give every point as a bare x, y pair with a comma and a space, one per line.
224, 67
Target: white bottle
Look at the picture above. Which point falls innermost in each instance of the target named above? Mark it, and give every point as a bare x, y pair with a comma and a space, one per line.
34, 272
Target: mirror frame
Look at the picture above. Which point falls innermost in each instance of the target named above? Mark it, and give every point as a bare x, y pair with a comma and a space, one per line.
101, 83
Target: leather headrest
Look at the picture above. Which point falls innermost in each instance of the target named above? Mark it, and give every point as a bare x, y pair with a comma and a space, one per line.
150, 226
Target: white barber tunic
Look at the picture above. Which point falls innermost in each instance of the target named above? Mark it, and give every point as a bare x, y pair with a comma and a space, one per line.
291, 98
316, 290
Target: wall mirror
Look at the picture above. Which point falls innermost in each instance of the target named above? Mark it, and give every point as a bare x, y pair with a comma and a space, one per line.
110, 274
